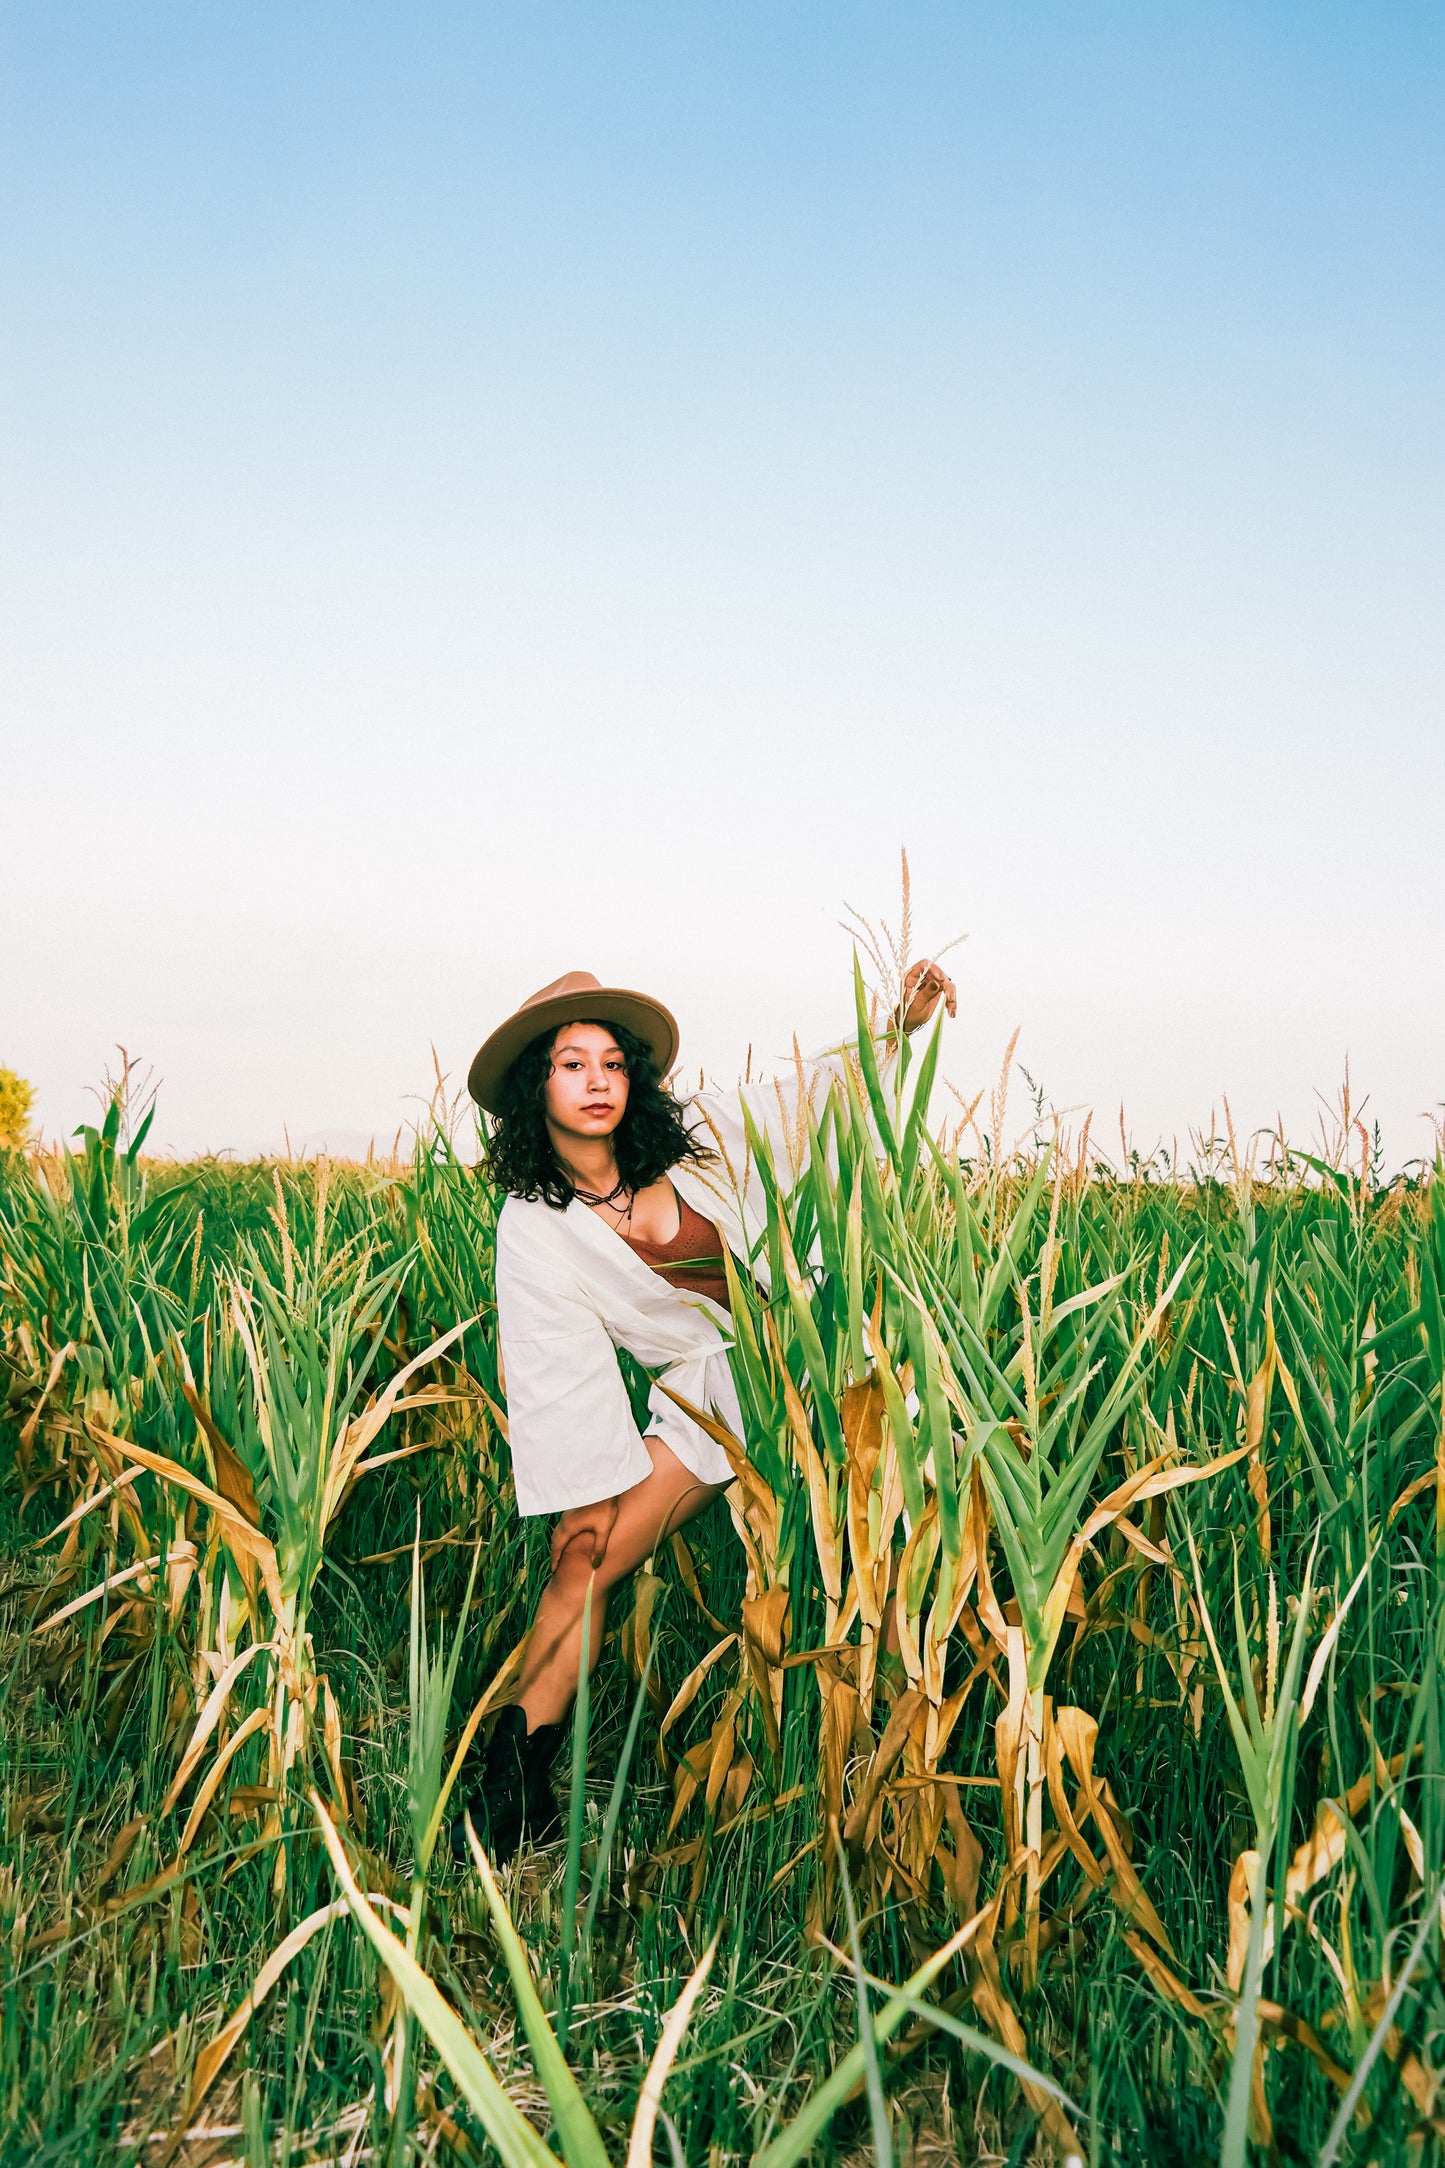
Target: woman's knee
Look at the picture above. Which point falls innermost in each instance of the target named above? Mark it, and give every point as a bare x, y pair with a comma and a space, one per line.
571, 1574
638, 1536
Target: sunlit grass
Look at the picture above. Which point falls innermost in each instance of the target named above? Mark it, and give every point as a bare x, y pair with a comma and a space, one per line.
1041, 1464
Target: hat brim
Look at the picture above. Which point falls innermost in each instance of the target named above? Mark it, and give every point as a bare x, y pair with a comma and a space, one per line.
638, 1013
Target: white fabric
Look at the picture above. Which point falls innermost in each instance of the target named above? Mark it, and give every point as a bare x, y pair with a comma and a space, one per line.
570, 1293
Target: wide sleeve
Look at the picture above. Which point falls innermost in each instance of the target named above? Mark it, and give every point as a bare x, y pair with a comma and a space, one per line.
778, 1109
572, 1434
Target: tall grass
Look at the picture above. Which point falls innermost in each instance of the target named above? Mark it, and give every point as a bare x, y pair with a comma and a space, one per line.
1039, 1755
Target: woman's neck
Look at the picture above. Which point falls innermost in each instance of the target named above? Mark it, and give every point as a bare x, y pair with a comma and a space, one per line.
588, 1163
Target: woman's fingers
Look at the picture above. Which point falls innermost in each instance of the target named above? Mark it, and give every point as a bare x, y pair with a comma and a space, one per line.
923, 986
572, 1524
590, 1524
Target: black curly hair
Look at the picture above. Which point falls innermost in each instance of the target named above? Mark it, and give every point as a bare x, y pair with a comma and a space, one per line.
651, 1137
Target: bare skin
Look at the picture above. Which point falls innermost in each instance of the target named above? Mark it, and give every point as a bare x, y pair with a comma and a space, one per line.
586, 1099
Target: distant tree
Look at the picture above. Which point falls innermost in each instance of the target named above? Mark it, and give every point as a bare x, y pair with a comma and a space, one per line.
16, 1099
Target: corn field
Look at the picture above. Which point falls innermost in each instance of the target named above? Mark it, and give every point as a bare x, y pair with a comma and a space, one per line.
1037, 1755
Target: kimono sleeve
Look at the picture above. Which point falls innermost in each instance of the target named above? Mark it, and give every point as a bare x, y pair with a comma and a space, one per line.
572, 1434
778, 1108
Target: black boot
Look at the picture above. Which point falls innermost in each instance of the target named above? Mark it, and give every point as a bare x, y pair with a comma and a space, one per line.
497, 1808
539, 1752
515, 1796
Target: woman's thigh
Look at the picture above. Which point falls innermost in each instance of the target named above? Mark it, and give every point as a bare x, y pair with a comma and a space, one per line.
651, 1510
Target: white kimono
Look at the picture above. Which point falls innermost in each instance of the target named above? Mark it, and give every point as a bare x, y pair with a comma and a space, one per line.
570, 1293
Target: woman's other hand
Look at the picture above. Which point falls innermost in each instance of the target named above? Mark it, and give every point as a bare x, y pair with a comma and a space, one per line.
923, 988
588, 1525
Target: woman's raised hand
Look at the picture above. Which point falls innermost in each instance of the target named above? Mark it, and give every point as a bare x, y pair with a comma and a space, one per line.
924, 985
588, 1525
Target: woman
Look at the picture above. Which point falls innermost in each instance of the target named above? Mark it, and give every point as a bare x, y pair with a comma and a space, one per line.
620, 1199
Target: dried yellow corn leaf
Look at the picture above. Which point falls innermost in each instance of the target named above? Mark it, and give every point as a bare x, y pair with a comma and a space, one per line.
1168, 1983
258, 1720
687, 1693
1079, 1733
1240, 1880
1275, 2018
210, 1717
688, 1573
213, 2058
1322, 1850
895, 1737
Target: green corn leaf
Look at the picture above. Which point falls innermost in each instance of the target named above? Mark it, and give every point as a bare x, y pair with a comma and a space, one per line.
853, 1279
936, 1428
581, 2141
905, 1443
577, 1809
807, 2127
503, 2122
1004, 1270
819, 1368
872, 2077
915, 1127
868, 1062
619, 1785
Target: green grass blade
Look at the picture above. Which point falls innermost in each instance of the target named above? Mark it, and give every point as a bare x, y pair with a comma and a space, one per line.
978, 2043
1330, 2151
577, 1808
808, 2125
619, 1790
872, 2078
581, 2141
1246, 2032
868, 1062
503, 2122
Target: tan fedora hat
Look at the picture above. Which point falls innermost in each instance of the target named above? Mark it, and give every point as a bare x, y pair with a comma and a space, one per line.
576, 998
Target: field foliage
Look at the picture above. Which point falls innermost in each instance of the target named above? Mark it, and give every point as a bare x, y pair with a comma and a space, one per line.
1040, 1755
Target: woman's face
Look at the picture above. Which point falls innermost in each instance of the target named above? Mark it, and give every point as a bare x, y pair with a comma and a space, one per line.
586, 1094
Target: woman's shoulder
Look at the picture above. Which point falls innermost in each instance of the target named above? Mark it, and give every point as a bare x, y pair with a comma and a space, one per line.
529, 1224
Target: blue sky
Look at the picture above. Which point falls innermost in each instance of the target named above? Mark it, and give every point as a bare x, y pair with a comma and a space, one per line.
495, 489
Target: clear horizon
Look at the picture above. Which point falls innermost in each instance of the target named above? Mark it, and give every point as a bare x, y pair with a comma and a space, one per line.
490, 491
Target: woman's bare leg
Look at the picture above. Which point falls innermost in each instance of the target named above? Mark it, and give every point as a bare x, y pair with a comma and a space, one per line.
646, 1515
